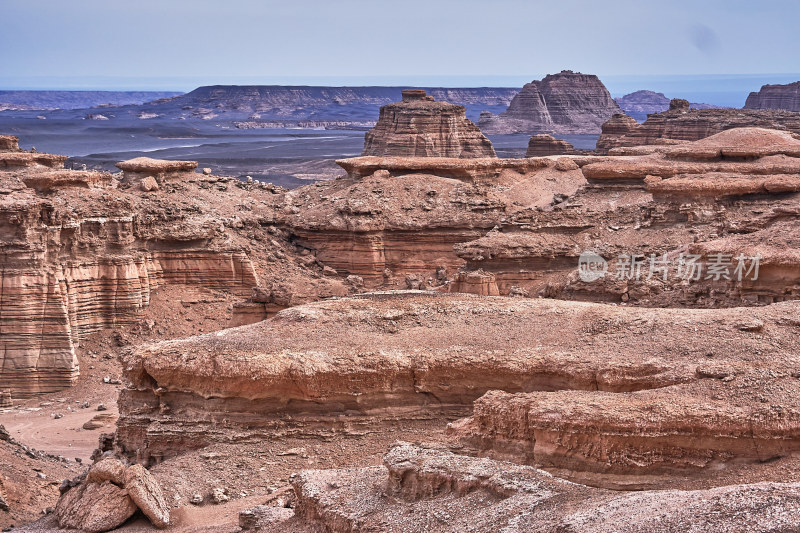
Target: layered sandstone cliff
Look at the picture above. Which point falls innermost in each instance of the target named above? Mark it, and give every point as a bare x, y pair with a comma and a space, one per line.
80, 255
785, 97
662, 405
567, 102
681, 123
734, 193
420, 127
394, 217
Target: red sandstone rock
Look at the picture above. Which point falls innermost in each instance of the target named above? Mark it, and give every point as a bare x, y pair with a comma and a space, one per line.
544, 145
420, 127
9, 143
140, 168
785, 97
683, 124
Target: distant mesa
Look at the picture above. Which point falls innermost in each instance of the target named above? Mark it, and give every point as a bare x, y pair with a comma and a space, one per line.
639, 104
784, 97
418, 126
565, 103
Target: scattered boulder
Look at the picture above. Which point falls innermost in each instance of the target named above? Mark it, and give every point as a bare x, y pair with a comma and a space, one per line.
108, 496
94, 507
149, 184
219, 495
107, 469
146, 494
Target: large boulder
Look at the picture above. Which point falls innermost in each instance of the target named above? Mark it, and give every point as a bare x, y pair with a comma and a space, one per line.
94, 507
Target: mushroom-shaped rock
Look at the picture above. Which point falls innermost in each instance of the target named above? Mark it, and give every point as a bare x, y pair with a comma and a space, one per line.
161, 169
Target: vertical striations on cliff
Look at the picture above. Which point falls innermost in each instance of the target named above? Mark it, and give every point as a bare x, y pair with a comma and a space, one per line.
566, 103
421, 127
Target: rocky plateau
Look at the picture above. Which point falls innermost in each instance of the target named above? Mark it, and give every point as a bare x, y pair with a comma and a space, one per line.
430, 342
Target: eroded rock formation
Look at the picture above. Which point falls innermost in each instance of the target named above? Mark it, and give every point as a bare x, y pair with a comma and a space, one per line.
543, 145
79, 255
639, 104
680, 123
567, 102
399, 359
420, 127
424, 488
396, 216
108, 496
785, 97
734, 193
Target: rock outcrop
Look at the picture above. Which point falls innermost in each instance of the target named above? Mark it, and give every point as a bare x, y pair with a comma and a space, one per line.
639, 104
735, 192
543, 145
425, 488
9, 143
138, 169
396, 216
399, 360
784, 97
681, 123
568, 102
420, 127
110, 494
79, 255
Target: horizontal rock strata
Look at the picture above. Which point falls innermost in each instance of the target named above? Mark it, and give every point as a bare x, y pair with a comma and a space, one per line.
564, 103
400, 359
680, 123
420, 127
784, 97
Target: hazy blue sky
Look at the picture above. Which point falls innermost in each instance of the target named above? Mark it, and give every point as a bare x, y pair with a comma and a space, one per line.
183, 43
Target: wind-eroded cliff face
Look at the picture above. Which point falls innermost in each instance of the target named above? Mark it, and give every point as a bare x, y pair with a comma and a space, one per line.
399, 216
568, 102
785, 97
680, 123
420, 127
79, 254
736, 193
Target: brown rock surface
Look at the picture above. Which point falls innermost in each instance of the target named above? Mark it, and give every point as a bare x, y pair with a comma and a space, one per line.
544, 145
9, 143
146, 494
567, 102
422, 488
739, 185
680, 123
138, 169
420, 127
399, 357
94, 507
405, 214
785, 97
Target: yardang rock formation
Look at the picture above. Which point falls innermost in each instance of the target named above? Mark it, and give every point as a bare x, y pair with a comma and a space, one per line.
420, 127
563, 103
